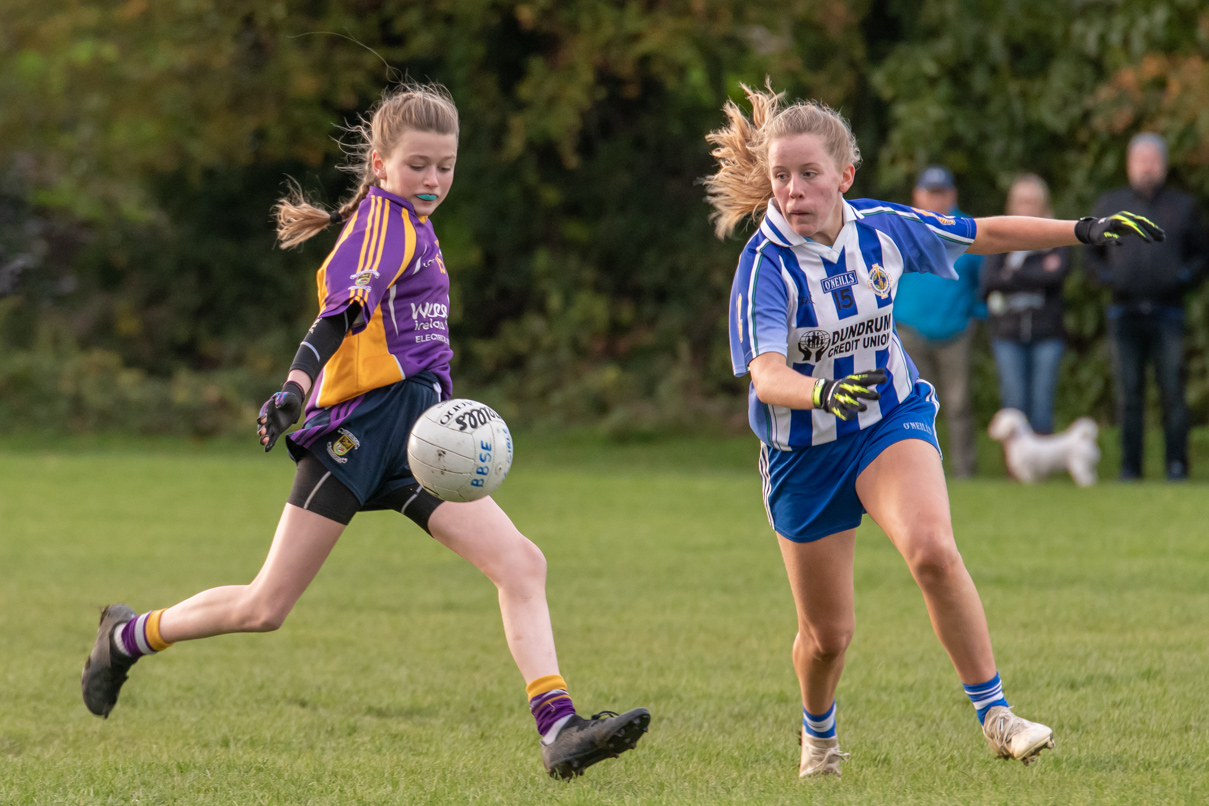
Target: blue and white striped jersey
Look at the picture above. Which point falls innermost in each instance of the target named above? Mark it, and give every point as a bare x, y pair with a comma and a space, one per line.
829, 309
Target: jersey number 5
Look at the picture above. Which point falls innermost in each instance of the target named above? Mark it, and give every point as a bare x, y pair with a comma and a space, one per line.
844, 300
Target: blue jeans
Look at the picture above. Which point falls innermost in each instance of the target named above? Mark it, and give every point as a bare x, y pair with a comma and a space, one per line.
1028, 376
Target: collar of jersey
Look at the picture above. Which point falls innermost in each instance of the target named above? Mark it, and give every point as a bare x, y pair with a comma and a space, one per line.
777, 230
377, 191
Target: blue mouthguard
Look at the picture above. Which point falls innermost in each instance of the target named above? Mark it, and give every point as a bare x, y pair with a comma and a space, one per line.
427, 196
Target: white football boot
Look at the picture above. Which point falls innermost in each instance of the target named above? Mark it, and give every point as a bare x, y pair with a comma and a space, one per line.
1013, 737
820, 756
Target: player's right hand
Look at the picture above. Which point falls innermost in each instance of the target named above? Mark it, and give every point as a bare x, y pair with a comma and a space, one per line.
278, 413
845, 397
1110, 229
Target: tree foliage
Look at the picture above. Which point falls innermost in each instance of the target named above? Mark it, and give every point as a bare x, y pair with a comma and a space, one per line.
146, 141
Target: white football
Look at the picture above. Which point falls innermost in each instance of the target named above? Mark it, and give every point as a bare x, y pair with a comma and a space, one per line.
460, 450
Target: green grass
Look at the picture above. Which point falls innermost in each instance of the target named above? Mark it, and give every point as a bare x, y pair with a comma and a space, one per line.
391, 682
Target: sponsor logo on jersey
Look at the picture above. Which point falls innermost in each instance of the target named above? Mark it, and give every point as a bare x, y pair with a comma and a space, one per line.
429, 316
870, 334
429, 310
839, 281
813, 343
879, 281
342, 446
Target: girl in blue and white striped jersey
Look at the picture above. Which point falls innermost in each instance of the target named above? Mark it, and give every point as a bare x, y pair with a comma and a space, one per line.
847, 426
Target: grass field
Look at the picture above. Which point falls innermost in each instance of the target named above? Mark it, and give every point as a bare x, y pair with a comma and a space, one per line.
391, 682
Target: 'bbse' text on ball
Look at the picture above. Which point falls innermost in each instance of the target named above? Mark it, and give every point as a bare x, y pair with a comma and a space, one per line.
460, 450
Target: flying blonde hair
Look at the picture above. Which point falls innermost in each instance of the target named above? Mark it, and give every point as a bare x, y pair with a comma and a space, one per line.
410, 107
741, 188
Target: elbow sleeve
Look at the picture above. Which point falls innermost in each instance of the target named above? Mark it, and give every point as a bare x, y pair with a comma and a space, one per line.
323, 340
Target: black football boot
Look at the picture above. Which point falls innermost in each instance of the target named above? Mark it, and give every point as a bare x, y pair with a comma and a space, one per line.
583, 742
106, 667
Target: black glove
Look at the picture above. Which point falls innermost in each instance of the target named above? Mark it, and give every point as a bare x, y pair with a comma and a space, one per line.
844, 397
1108, 230
279, 412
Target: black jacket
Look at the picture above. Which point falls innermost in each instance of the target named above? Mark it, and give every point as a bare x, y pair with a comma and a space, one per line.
1024, 303
1154, 273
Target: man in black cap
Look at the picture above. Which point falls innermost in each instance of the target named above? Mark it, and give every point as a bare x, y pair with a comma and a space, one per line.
1146, 317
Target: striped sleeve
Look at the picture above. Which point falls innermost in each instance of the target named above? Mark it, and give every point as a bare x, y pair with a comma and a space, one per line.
759, 308
369, 256
930, 242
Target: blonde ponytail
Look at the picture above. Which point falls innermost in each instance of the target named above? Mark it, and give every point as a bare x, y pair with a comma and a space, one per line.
741, 187
411, 107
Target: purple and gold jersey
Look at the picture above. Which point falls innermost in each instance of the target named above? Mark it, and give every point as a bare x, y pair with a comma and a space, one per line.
387, 259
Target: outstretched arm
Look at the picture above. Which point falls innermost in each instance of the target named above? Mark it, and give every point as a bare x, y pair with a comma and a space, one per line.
1016, 233
1010, 233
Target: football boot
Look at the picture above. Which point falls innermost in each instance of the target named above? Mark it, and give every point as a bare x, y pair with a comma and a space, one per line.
1013, 737
820, 756
106, 667
583, 742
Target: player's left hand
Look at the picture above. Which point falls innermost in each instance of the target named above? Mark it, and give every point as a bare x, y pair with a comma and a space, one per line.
1110, 229
278, 413
845, 397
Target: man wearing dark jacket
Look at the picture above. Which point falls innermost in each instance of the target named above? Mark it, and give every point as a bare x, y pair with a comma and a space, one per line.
1146, 316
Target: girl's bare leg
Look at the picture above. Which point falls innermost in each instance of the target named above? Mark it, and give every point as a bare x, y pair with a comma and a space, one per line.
904, 491
301, 544
820, 576
480, 532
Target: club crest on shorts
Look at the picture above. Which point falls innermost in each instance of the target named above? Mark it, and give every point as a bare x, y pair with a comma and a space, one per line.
879, 281
813, 344
342, 446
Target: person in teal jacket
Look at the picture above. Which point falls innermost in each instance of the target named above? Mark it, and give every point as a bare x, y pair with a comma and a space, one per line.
935, 319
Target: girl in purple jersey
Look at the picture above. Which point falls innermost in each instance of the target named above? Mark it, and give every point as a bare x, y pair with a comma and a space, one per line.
848, 430
375, 359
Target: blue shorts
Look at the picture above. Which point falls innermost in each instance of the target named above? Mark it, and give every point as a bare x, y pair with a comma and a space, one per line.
810, 493
363, 441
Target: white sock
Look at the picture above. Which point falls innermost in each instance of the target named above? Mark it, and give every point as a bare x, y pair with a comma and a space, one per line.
115, 638
552, 734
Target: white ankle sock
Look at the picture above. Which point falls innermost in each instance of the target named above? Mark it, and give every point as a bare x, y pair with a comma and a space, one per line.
552, 734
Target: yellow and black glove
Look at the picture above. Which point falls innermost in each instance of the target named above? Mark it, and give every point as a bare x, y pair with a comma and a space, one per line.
1108, 230
845, 397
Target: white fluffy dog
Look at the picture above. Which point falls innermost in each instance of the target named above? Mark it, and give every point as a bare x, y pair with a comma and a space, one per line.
1031, 457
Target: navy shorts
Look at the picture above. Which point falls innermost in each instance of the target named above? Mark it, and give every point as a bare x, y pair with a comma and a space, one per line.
363, 441
810, 493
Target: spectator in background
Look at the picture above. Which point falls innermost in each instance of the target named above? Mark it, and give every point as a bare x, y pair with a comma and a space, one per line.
935, 318
1023, 291
1146, 316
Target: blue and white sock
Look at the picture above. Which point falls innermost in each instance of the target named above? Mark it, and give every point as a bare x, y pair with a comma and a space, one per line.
986, 695
820, 727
